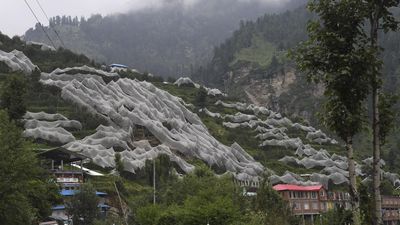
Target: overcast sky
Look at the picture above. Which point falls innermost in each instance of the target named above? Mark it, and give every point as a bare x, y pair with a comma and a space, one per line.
15, 17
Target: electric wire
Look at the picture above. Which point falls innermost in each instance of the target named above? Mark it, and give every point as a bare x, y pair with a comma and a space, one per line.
51, 41
48, 19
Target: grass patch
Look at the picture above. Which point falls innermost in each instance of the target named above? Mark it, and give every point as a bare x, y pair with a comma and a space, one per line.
260, 52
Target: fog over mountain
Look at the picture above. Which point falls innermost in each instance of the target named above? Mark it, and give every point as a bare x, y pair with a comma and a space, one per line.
168, 38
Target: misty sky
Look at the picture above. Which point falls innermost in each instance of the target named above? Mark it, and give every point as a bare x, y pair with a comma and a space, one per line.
15, 17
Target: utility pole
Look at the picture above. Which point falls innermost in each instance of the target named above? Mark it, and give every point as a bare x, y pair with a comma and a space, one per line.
154, 181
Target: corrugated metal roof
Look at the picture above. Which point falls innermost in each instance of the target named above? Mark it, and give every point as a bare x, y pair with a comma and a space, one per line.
291, 187
73, 192
118, 65
58, 207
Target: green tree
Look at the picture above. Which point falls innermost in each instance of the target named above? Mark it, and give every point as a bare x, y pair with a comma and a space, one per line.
13, 96
201, 97
26, 191
337, 216
270, 203
336, 55
83, 206
197, 198
380, 17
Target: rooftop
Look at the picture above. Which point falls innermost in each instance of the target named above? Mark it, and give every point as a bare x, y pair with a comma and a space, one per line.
291, 187
61, 153
118, 65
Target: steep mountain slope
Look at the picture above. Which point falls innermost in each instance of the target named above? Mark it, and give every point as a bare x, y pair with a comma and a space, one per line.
253, 64
101, 114
170, 40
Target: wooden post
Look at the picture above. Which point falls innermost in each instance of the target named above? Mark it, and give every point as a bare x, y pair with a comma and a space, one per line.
62, 164
52, 165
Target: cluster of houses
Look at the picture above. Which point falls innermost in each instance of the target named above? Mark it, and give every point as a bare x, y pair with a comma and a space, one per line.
66, 166
311, 201
307, 202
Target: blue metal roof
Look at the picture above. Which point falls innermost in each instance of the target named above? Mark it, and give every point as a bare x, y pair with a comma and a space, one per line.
118, 65
101, 194
67, 192
73, 192
58, 207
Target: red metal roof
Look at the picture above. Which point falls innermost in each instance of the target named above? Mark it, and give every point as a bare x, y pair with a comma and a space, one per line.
290, 187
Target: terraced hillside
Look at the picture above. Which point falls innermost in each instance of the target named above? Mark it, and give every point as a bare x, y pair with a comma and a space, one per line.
101, 114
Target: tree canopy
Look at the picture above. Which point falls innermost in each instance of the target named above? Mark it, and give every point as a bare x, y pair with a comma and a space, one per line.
26, 190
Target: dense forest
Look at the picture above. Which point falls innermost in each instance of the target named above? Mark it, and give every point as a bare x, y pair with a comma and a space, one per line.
275, 35
171, 40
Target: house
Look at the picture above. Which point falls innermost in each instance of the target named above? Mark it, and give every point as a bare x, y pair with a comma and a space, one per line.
69, 178
118, 67
391, 210
304, 200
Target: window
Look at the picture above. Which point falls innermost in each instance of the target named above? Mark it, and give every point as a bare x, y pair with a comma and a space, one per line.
296, 206
306, 206
315, 205
313, 195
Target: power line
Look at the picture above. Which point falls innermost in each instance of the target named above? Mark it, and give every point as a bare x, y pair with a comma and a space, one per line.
52, 43
55, 31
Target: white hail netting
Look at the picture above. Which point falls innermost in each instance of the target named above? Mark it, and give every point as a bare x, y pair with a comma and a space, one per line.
272, 132
49, 127
187, 81
210, 114
52, 134
290, 178
69, 124
125, 103
17, 61
275, 120
44, 116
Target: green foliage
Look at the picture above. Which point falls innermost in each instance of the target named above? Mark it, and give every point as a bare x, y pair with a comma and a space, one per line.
4, 68
260, 53
255, 42
197, 198
366, 203
27, 192
13, 95
337, 216
148, 215
335, 55
271, 204
168, 41
83, 206
201, 98
387, 115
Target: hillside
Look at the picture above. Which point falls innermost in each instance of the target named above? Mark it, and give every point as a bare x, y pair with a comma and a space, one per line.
171, 40
253, 66
100, 114
203, 142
